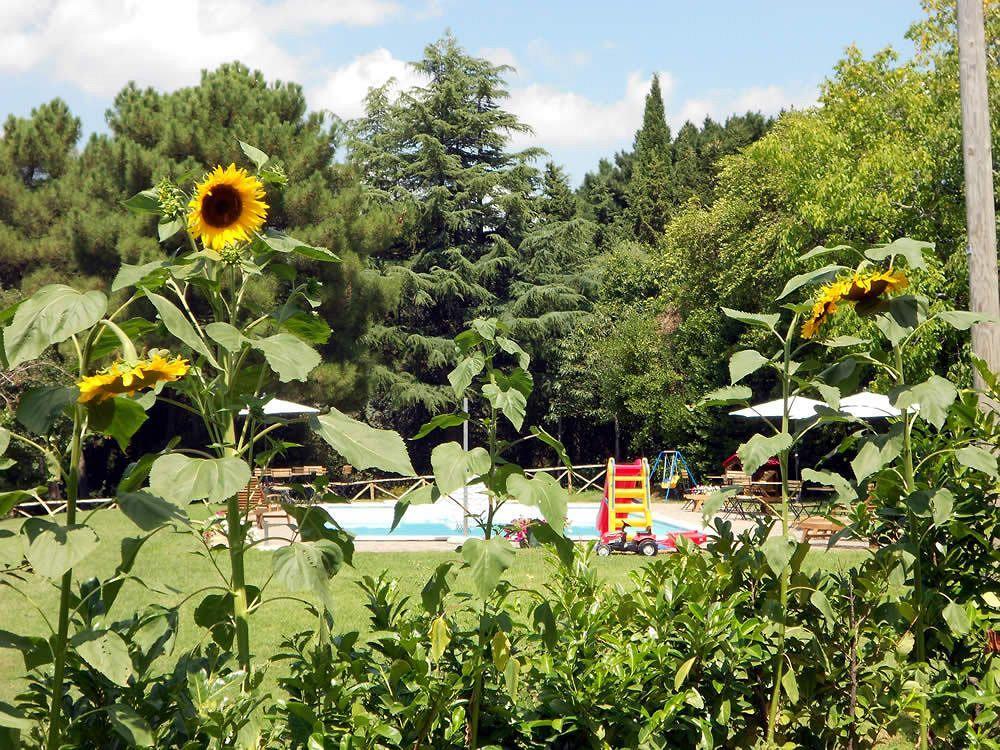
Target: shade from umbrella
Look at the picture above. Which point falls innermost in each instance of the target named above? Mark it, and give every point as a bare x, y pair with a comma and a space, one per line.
280, 407
799, 407
868, 405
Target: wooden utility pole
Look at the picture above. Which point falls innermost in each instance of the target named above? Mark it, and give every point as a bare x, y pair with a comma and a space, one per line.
979, 208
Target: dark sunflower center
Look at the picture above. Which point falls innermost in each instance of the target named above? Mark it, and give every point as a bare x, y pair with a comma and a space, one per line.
222, 206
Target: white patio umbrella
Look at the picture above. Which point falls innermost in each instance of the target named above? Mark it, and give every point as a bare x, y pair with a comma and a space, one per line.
868, 405
279, 407
799, 407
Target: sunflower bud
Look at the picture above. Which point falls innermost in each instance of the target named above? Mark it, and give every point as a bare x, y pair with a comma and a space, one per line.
171, 198
231, 254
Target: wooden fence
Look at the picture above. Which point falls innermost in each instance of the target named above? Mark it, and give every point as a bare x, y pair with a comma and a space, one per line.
576, 479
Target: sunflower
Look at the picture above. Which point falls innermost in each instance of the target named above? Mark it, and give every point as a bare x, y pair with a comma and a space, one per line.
868, 287
227, 207
858, 289
825, 306
122, 377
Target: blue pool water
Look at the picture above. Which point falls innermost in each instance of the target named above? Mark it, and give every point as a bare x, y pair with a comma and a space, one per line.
439, 521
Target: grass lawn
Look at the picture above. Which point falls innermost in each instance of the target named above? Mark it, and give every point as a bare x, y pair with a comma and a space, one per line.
167, 562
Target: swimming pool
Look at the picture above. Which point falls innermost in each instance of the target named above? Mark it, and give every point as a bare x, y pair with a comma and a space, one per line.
443, 521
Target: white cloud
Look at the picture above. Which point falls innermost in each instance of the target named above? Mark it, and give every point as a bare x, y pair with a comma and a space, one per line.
345, 88
99, 45
499, 56
566, 118
543, 52
770, 100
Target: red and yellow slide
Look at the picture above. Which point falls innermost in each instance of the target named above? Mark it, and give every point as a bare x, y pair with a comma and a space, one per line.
625, 518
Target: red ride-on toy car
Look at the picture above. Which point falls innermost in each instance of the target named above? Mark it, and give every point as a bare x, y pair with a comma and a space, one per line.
643, 543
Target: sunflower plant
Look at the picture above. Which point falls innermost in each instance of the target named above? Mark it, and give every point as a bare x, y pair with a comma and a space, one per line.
217, 356
239, 356
911, 473
885, 463
867, 287
106, 388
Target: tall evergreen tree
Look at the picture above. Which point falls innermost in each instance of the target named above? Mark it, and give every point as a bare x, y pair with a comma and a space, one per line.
439, 155
650, 192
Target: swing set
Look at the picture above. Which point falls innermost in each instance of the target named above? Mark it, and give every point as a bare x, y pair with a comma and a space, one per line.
674, 472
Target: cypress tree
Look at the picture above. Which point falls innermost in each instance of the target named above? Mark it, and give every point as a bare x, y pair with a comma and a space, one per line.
650, 191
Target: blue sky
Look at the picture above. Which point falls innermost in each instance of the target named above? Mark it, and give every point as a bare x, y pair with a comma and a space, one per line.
582, 67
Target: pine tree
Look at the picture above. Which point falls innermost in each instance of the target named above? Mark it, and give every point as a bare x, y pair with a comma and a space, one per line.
558, 202
53, 199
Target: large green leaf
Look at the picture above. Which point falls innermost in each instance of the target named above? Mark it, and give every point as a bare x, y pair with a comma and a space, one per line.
731, 394
117, 417
844, 490
440, 638
978, 459
932, 398
744, 363
313, 523
307, 326
145, 201
282, 243
106, 652
48, 317
512, 347
755, 452
465, 371
130, 726
39, 408
511, 403
53, 548
149, 275
226, 335
817, 276
874, 455
10, 499
778, 551
363, 446
309, 566
912, 250
487, 560
542, 492
754, 320
289, 356
963, 320
148, 512
254, 154
35, 650
441, 422
182, 479
179, 326
454, 467
554, 443
957, 618
942, 503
